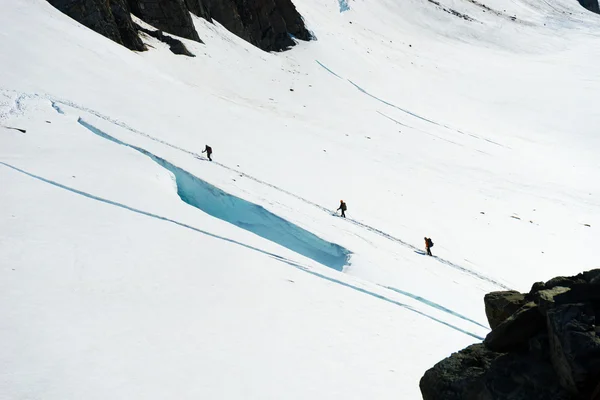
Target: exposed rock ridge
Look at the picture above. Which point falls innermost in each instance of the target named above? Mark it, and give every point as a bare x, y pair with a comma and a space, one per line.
270, 25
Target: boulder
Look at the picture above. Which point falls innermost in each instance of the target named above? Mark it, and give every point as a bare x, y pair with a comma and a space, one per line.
515, 332
574, 346
501, 305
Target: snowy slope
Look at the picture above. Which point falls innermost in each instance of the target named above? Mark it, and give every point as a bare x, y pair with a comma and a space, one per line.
131, 267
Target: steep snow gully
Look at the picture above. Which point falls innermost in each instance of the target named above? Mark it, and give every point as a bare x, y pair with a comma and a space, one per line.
244, 214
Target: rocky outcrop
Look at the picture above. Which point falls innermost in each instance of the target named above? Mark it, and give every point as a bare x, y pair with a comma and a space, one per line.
268, 24
171, 16
549, 348
271, 25
110, 18
95, 14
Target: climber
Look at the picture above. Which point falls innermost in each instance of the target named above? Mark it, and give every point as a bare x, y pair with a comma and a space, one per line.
343, 208
428, 245
208, 151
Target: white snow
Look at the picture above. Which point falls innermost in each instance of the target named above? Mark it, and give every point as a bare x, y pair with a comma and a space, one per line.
481, 134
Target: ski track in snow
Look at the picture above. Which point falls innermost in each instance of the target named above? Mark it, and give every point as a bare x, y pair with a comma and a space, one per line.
273, 255
387, 103
463, 269
435, 305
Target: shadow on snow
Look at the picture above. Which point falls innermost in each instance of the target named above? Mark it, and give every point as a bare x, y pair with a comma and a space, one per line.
275, 256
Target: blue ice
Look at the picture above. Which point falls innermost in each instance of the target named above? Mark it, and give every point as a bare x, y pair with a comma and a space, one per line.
244, 214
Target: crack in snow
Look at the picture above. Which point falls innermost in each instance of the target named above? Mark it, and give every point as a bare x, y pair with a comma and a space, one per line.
242, 213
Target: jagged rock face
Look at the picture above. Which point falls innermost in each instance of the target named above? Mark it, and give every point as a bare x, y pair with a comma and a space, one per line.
547, 349
127, 30
591, 5
293, 19
95, 14
171, 16
110, 18
199, 8
268, 24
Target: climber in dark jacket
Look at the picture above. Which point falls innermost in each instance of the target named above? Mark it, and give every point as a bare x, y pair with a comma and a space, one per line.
428, 245
208, 151
343, 208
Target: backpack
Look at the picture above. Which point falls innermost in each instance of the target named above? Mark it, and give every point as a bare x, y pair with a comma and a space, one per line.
430, 242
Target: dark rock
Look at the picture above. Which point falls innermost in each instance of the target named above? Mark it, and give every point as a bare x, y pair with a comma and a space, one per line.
477, 373
595, 394
226, 12
122, 15
268, 24
458, 376
579, 293
564, 281
537, 287
516, 331
539, 347
199, 8
591, 5
517, 376
167, 15
501, 305
545, 298
592, 276
95, 14
176, 46
293, 20
574, 346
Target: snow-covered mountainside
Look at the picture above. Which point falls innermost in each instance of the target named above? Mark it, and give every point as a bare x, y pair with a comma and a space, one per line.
131, 267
